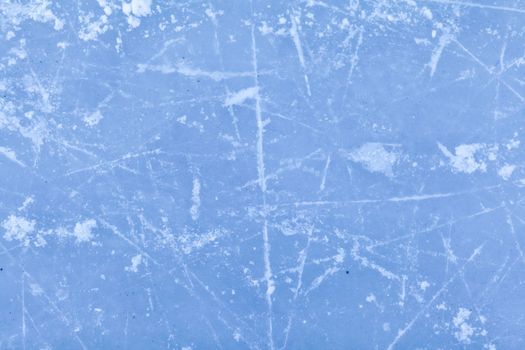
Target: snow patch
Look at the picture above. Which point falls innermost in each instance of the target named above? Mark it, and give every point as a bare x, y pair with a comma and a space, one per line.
195, 198
11, 155
135, 9
464, 330
375, 158
424, 285
18, 228
41, 13
141, 8
464, 159
240, 96
506, 171
135, 263
93, 119
82, 230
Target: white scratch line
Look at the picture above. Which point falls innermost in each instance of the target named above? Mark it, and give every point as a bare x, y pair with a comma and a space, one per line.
196, 199
23, 312
413, 198
444, 40
300, 270
363, 261
410, 324
270, 285
474, 57
435, 227
471, 4
11, 155
115, 161
320, 279
325, 172
126, 239
510, 222
294, 32
192, 72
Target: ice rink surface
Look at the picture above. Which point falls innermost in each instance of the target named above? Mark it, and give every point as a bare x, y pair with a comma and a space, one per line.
235, 174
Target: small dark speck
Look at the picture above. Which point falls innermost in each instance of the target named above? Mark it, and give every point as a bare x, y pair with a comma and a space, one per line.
347, 272
1, 269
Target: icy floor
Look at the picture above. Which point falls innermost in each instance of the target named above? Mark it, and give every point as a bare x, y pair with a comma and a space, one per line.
235, 174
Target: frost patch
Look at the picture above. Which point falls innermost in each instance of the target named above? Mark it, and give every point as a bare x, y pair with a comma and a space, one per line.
82, 230
91, 30
136, 8
11, 155
196, 199
18, 228
41, 13
297, 225
239, 97
375, 158
464, 159
93, 119
506, 171
135, 263
191, 241
141, 7
464, 330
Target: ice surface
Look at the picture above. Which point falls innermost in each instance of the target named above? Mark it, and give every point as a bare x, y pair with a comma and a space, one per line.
304, 174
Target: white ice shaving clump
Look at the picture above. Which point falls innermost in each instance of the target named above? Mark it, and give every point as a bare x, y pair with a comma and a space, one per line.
506, 171
141, 7
82, 230
18, 228
464, 330
93, 119
135, 263
136, 8
375, 158
464, 159
239, 97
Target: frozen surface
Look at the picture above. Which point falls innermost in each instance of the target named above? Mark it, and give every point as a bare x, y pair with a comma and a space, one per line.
313, 174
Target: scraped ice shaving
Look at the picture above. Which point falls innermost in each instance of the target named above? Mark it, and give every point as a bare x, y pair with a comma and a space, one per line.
136, 8
135, 263
464, 159
11, 155
141, 7
239, 97
93, 119
18, 228
464, 330
375, 158
195, 198
82, 230
506, 171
